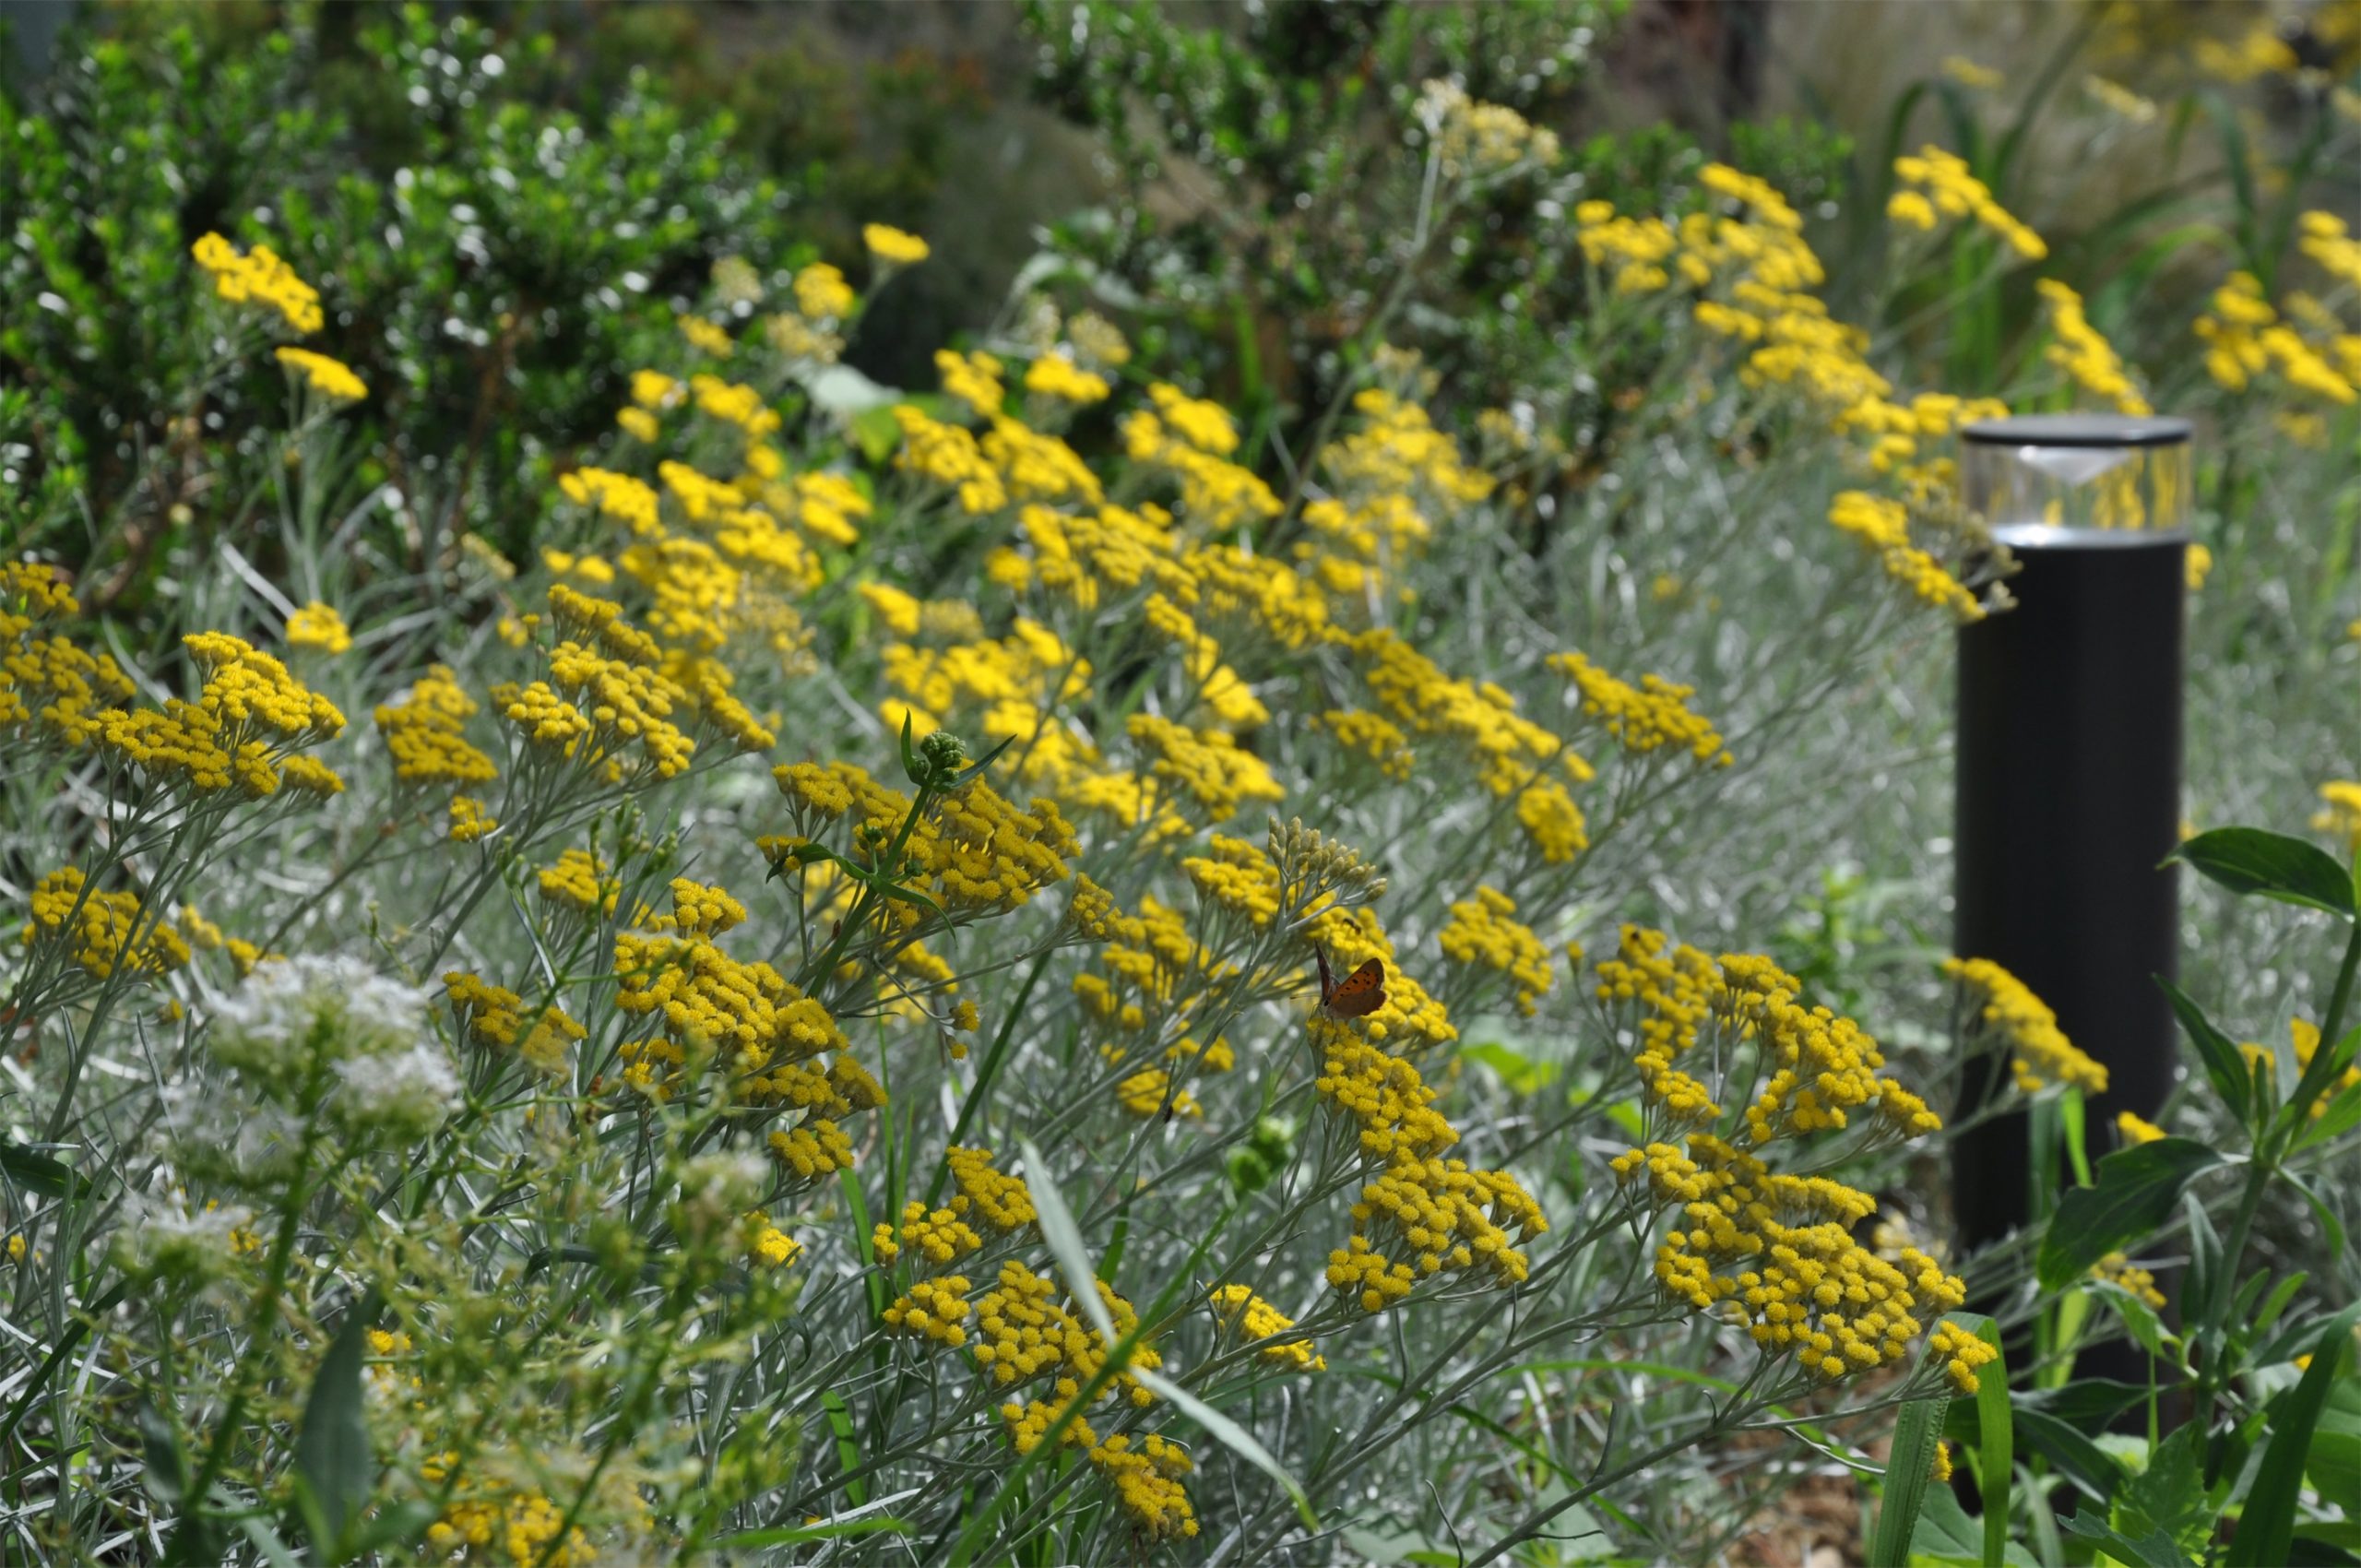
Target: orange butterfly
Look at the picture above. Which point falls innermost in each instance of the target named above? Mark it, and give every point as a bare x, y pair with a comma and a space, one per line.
1362, 992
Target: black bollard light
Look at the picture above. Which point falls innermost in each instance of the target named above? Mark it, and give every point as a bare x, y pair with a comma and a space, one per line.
2069, 766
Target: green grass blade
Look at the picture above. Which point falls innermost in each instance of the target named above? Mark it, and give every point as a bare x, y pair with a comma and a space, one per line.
2267, 1525
1908, 1472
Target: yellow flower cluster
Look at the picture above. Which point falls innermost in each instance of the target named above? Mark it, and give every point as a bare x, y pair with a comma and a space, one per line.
2340, 812
1209, 767
892, 246
1025, 1331
1189, 440
258, 277
1149, 1093
1509, 751
2305, 1036
328, 377
627, 500
1251, 1319
497, 1017
2117, 1270
606, 694
2132, 1129
2331, 244
471, 820
1883, 525
933, 1309
2040, 1055
47, 682
318, 627
425, 734
1083, 557
1480, 139
1937, 185
1429, 1215
706, 338
1396, 448
1758, 274
1961, 1353
973, 378
203, 933
1055, 375
975, 850
1634, 249
1150, 955
2084, 354
2245, 339
1033, 467
1098, 341
522, 1527
2256, 52
1646, 718
1775, 1251
1147, 1483
822, 293
1372, 736
1028, 1330
764, 1028
579, 882
1387, 476
733, 403
1483, 930
1236, 877
101, 932
238, 733
948, 456
940, 1236
767, 1244
1000, 1201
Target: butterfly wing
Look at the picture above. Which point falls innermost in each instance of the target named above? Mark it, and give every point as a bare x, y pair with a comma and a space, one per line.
1327, 980
1361, 992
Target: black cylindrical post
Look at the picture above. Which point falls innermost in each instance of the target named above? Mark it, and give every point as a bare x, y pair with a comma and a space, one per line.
2070, 766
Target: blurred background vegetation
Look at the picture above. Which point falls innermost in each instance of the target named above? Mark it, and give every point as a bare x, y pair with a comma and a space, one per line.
499, 202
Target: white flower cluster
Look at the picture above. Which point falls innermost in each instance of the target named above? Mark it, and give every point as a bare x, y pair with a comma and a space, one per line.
162, 1237
367, 1032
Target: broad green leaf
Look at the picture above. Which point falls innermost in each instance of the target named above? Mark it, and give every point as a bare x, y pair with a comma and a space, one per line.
2140, 1319
2267, 1524
39, 1173
1909, 1470
2225, 1069
332, 1452
2087, 1404
2137, 1191
2341, 1115
2276, 865
1945, 1534
2075, 1457
2152, 1550
1947, 1538
2167, 1496
2205, 1262
2329, 1060
167, 1467
2335, 1463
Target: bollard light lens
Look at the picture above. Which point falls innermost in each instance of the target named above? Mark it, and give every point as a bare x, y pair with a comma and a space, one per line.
2029, 475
